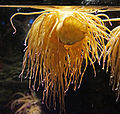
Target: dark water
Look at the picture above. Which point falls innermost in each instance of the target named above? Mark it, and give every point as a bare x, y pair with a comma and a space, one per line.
95, 95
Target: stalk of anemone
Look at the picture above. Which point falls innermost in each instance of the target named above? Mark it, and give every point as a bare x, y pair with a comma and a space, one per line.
113, 52
59, 44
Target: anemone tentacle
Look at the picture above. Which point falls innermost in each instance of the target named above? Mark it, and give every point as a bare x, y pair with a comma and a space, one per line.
113, 52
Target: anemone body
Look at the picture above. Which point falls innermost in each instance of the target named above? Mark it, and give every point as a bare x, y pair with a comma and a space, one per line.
113, 52
57, 45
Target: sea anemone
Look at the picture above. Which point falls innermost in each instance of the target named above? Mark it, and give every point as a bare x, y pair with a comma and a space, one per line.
27, 104
113, 52
58, 43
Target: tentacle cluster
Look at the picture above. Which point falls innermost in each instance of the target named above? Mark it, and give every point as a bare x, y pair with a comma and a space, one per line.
113, 52
54, 58
26, 104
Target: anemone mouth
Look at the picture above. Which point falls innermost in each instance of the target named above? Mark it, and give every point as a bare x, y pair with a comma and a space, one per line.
71, 30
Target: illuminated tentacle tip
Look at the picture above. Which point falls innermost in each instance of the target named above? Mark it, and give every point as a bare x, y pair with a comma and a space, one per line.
37, 89
21, 75
14, 31
99, 63
110, 23
66, 91
54, 108
117, 99
25, 44
116, 88
42, 84
13, 26
72, 82
79, 86
42, 102
94, 73
103, 68
118, 94
25, 49
106, 69
33, 87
